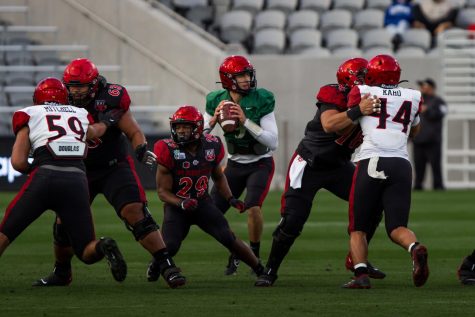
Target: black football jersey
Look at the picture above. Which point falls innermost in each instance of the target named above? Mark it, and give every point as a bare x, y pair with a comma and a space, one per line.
191, 174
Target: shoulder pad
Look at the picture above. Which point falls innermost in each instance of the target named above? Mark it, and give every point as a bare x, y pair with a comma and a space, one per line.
330, 94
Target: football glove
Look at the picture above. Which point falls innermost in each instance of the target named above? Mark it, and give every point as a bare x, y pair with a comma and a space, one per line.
145, 156
466, 272
189, 204
111, 117
238, 204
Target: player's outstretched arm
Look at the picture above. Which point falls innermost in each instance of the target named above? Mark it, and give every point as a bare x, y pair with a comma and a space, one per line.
20, 151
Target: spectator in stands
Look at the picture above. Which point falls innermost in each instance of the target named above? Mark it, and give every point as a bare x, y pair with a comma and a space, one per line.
434, 15
397, 19
428, 143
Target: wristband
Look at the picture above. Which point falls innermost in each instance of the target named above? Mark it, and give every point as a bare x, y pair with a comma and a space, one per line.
354, 113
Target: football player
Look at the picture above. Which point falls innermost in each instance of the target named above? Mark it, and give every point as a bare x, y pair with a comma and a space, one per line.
322, 160
185, 164
111, 171
383, 174
250, 164
56, 135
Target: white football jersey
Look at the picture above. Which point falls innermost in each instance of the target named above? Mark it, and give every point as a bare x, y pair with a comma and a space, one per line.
62, 128
385, 134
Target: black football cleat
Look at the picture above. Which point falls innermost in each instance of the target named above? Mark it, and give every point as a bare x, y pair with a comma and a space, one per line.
373, 272
54, 279
153, 272
420, 267
114, 258
265, 280
173, 277
466, 272
233, 263
360, 282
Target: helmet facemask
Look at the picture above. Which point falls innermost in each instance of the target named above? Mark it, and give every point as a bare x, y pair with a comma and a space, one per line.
185, 136
235, 81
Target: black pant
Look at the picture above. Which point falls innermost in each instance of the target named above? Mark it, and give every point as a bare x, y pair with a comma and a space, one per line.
428, 153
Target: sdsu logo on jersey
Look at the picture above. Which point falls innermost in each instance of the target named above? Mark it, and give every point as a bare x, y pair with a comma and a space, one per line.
100, 105
209, 155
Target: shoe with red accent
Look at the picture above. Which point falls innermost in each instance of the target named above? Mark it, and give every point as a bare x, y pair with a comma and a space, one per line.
373, 272
358, 282
420, 267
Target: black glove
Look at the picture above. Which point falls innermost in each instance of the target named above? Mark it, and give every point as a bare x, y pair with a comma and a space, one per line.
189, 204
238, 204
111, 117
145, 156
466, 271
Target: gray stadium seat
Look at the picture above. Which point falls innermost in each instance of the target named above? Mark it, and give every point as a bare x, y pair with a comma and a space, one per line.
335, 19
368, 19
303, 39
378, 4
201, 15
285, 6
465, 18
252, 6
316, 52
416, 38
3, 100
48, 60
376, 50
347, 52
42, 75
319, 6
341, 38
410, 51
19, 58
273, 19
19, 79
350, 5
303, 19
269, 41
235, 26
187, 4
21, 99
376, 38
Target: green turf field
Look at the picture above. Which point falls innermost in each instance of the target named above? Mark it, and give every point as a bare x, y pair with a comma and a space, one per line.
309, 280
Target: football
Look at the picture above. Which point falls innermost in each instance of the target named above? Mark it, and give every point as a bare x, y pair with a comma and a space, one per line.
225, 118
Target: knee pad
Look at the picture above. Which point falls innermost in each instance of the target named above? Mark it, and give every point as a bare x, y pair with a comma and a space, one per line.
61, 237
286, 231
143, 227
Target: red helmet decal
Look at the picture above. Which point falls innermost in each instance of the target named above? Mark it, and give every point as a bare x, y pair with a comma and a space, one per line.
352, 72
383, 70
188, 115
50, 90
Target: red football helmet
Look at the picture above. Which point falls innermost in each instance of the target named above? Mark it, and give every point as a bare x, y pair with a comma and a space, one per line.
188, 115
50, 90
79, 73
236, 65
352, 72
383, 70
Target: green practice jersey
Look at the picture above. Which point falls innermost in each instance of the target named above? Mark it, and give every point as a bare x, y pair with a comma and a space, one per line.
256, 104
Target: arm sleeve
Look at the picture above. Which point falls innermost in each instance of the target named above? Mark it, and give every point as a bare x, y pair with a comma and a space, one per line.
268, 136
162, 152
19, 120
206, 126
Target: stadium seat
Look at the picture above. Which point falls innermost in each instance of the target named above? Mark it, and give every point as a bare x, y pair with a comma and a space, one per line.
378, 4
315, 52
416, 38
48, 60
19, 79
21, 99
19, 58
341, 38
347, 52
269, 41
368, 19
187, 4
285, 6
350, 5
235, 26
303, 39
303, 19
410, 51
273, 19
201, 15
465, 18
335, 19
376, 38
252, 6
377, 50
319, 6
3, 100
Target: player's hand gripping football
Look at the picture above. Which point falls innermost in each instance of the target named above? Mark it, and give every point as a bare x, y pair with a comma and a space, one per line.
111, 117
189, 204
238, 204
145, 156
